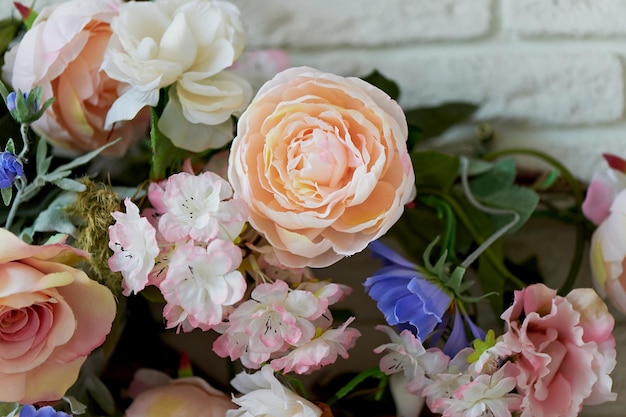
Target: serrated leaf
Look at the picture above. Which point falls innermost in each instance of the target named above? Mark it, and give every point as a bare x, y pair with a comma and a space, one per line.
68, 184
434, 169
433, 121
7, 194
387, 85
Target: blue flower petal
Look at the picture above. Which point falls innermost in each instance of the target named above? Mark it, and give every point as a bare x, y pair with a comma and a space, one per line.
457, 339
28, 411
388, 255
436, 301
411, 310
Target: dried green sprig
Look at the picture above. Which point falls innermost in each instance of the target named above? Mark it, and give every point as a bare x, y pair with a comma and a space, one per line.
94, 207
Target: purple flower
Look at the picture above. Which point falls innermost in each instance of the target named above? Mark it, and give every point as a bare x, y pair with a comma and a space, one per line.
10, 168
12, 100
46, 411
411, 298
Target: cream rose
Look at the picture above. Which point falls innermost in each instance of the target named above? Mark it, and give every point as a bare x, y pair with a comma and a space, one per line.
51, 317
62, 53
322, 162
185, 44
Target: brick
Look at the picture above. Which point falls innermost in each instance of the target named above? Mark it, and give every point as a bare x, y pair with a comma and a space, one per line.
327, 23
536, 87
565, 17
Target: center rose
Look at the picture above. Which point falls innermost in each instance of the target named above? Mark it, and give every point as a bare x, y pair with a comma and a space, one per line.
322, 162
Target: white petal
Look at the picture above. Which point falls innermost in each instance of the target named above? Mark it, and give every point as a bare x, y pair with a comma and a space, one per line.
128, 105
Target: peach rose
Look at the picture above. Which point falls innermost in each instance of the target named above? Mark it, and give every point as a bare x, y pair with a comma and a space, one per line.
177, 398
564, 347
51, 317
62, 53
322, 162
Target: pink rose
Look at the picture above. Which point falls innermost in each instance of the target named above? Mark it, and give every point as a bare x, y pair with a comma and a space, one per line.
564, 347
51, 317
176, 397
62, 53
322, 162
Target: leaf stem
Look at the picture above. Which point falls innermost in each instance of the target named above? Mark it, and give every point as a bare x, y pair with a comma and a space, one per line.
350, 386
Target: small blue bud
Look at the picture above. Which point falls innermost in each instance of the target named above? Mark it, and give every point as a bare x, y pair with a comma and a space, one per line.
46, 411
10, 168
11, 104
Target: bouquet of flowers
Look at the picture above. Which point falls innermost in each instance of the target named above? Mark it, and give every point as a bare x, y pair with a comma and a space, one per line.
157, 176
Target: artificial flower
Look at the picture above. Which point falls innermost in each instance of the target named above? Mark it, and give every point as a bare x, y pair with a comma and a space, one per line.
10, 169
275, 318
187, 45
62, 53
411, 298
52, 316
190, 396
46, 411
561, 345
264, 395
133, 242
199, 207
201, 281
406, 354
485, 395
322, 350
608, 251
322, 162
604, 187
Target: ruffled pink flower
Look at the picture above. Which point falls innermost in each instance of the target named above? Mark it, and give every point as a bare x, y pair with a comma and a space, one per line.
564, 348
133, 242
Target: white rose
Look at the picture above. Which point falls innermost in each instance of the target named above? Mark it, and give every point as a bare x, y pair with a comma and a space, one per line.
266, 396
187, 44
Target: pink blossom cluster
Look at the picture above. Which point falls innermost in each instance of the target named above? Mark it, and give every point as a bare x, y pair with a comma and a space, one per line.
555, 356
184, 245
289, 328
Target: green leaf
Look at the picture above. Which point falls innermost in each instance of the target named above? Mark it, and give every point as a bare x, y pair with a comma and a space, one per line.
8, 30
10, 146
434, 169
56, 175
9, 409
7, 193
68, 184
83, 159
100, 393
519, 199
500, 176
490, 279
164, 154
388, 86
433, 121
55, 218
76, 407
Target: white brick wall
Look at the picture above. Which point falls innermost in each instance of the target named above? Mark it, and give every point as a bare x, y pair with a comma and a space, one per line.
548, 74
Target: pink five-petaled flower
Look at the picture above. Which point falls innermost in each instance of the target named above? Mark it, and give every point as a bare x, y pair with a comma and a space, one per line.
133, 242
200, 281
485, 395
406, 354
274, 319
200, 207
564, 347
321, 351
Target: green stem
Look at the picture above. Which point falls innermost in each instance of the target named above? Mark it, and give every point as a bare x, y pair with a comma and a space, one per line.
577, 194
444, 210
24, 133
17, 200
350, 386
462, 216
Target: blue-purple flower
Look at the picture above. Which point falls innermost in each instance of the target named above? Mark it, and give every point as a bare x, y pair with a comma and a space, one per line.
10, 169
412, 298
46, 411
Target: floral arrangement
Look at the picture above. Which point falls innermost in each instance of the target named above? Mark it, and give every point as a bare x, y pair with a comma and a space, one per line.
145, 169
